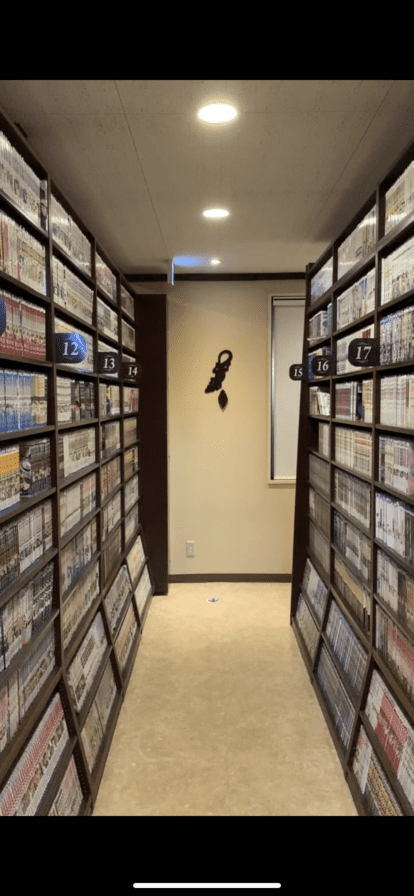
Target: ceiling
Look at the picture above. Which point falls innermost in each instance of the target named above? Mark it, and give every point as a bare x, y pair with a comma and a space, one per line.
139, 168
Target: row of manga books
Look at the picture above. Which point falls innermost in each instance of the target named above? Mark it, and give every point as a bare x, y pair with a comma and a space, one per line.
319, 401
110, 477
77, 554
396, 588
131, 523
76, 450
107, 319
321, 281
323, 439
93, 731
319, 546
393, 731
78, 602
110, 439
35, 466
25, 614
348, 650
353, 449
397, 651
319, 474
68, 799
397, 400
396, 463
397, 336
335, 695
117, 597
75, 400
21, 255
355, 594
374, 786
22, 685
66, 233
111, 552
23, 541
105, 279
110, 515
130, 431
21, 184
28, 783
135, 559
394, 525
131, 491
130, 461
25, 333
85, 664
358, 244
342, 348
319, 511
353, 545
315, 590
399, 199
126, 637
76, 502
128, 336
397, 272
109, 400
131, 399
23, 400
353, 400
71, 293
143, 591
306, 626
354, 496
357, 300
320, 325
127, 302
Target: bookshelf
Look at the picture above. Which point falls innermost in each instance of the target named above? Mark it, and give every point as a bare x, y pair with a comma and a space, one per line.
75, 574
352, 607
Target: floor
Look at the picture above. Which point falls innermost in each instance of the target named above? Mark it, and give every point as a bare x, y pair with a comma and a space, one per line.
220, 717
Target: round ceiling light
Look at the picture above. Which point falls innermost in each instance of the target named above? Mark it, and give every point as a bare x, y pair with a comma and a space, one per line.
217, 113
215, 261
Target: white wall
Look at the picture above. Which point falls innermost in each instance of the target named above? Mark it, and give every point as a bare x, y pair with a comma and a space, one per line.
219, 495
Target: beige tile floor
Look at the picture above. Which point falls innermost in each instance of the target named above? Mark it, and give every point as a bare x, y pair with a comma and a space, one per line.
220, 717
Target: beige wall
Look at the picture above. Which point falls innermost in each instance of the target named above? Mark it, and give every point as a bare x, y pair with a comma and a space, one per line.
219, 495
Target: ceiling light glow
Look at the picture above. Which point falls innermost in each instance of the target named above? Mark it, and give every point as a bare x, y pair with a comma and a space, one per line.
215, 261
217, 113
215, 213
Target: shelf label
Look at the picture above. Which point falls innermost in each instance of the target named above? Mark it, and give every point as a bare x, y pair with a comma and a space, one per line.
131, 370
108, 362
70, 348
296, 372
363, 352
323, 365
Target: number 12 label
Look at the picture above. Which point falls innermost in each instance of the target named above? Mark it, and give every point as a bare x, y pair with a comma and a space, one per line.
70, 348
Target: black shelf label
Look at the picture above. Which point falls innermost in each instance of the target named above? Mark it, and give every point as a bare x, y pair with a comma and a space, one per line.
323, 365
108, 362
2, 317
297, 372
70, 348
131, 370
363, 352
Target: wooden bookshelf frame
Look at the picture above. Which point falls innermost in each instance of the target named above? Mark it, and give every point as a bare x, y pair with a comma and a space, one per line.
151, 422
308, 445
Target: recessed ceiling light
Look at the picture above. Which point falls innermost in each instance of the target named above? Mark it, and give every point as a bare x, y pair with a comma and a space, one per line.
215, 213
215, 261
217, 113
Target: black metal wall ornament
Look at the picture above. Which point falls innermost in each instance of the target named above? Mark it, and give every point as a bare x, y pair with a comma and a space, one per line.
219, 373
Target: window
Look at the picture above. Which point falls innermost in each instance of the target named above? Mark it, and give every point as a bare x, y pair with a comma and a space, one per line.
287, 323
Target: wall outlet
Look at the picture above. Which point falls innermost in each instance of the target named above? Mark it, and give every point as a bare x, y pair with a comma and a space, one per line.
189, 549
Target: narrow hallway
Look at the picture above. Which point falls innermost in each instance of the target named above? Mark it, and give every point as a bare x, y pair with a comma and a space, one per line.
220, 718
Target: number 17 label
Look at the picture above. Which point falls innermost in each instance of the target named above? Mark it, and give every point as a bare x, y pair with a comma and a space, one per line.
363, 352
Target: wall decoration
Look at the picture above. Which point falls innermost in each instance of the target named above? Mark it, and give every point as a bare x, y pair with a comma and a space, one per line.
219, 373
